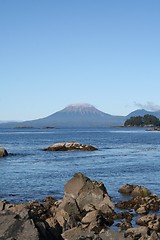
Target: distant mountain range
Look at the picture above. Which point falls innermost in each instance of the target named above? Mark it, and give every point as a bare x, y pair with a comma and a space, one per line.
78, 115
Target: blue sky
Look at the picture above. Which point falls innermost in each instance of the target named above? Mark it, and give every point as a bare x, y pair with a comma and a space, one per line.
59, 52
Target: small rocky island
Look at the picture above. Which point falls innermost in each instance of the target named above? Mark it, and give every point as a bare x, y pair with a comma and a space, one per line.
86, 212
70, 146
145, 121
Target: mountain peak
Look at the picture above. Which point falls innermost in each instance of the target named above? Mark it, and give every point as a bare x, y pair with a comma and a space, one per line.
80, 107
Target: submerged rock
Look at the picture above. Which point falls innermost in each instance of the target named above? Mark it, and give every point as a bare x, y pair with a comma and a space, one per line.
69, 146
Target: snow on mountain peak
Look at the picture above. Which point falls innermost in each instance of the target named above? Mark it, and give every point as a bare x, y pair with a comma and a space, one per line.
80, 107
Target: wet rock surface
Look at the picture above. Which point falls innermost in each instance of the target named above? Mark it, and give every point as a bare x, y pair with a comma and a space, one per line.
85, 212
3, 152
134, 190
70, 146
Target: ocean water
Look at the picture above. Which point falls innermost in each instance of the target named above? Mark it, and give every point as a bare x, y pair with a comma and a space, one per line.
124, 155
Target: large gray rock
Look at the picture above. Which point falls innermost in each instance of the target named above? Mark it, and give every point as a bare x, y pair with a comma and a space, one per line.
83, 196
12, 226
27, 221
3, 152
70, 146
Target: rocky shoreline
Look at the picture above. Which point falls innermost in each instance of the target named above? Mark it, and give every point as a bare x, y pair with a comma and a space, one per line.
86, 212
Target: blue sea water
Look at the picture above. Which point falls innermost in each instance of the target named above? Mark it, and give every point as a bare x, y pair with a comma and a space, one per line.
124, 155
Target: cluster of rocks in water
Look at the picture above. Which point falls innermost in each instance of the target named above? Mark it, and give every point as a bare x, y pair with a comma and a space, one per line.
86, 212
154, 129
62, 146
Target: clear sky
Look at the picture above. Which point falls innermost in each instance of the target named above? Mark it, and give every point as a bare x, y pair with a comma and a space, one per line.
59, 52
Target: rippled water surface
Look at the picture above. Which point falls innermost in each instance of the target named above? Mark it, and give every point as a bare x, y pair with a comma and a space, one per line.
123, 156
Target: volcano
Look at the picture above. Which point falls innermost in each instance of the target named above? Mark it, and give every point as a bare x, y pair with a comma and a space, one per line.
75, 115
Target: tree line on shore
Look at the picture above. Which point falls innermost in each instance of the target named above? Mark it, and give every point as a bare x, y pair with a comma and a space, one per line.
139, 121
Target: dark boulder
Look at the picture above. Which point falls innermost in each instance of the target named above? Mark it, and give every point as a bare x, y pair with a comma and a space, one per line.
13, 226
135, 190
127, 189
3, 152
27, 221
